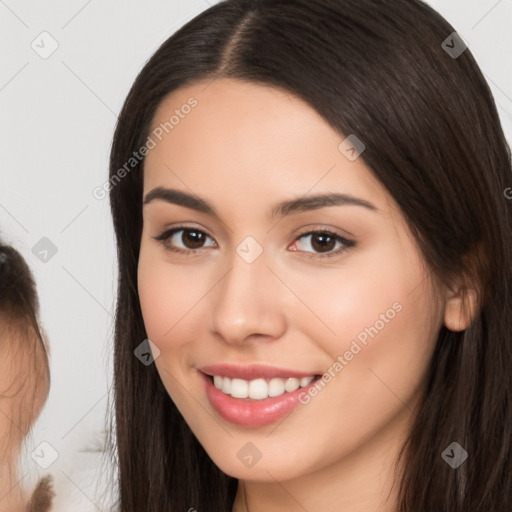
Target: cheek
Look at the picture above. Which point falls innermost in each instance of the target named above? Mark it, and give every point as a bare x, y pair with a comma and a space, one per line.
345, 300
154, 296
378, 319
167, 293
385, 324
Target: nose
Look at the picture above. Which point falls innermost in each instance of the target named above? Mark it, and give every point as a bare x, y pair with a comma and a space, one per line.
248, 302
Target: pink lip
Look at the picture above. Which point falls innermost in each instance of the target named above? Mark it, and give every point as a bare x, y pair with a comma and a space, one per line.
245, 411
252, 372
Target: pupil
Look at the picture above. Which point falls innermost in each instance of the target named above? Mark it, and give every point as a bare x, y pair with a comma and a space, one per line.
325, 243
192, 239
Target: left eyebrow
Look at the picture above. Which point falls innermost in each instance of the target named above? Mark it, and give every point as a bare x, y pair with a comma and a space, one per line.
307, 203
282, 209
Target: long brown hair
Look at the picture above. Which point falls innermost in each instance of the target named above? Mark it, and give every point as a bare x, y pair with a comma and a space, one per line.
380, 69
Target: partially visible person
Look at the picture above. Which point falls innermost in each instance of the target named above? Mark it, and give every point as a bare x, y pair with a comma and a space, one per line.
24, 380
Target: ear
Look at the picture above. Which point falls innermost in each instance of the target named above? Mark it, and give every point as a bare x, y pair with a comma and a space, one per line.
460, 308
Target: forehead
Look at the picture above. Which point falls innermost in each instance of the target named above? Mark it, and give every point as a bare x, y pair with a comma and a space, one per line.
254, 139
253, 119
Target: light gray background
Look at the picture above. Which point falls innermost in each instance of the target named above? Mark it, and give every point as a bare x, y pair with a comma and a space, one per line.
57, 118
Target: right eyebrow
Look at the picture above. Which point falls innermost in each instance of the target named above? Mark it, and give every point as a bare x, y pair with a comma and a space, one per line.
174, 196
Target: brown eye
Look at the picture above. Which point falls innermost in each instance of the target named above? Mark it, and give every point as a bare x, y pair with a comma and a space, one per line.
322, 243
192, 239
184, 239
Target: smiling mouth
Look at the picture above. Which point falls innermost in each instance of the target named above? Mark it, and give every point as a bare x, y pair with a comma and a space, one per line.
260, 389
256, 395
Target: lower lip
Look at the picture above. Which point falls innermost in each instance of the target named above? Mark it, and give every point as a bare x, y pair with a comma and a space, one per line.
252, 413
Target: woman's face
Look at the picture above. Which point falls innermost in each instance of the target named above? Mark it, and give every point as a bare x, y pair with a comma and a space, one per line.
255, 299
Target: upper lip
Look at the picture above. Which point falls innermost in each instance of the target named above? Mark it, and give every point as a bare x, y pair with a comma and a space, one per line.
252, 372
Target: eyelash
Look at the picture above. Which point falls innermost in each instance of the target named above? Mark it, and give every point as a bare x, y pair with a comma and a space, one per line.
347, 244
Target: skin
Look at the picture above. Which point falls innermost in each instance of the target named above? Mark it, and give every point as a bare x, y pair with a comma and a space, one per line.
24, 387
244, 148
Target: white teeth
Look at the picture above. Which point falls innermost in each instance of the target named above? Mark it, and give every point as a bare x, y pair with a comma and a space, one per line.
226, 386
239, 388
259, 389
305, 381
275, 387
292, 384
